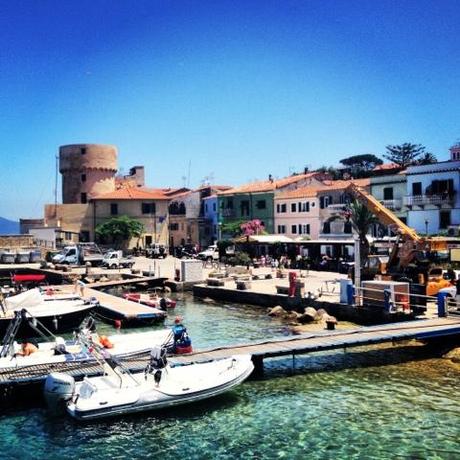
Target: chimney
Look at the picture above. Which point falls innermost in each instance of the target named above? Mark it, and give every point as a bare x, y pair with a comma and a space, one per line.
270, 178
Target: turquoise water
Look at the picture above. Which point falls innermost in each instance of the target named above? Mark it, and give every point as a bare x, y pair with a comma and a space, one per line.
375, 404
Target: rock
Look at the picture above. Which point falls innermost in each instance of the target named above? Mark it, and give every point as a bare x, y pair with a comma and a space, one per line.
277, 311
453, 355
208, 300
310, 312
293, 316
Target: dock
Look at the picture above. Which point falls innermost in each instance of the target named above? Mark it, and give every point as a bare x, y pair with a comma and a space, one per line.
424, 329
149, 280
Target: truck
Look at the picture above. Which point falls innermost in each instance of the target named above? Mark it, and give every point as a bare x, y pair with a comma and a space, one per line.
115, 259
79, 254
210, 253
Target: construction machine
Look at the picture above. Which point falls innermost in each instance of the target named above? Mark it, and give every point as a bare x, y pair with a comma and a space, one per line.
411, 256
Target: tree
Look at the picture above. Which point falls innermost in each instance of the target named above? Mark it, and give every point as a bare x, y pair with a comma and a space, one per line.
361, 165
427, 159
119, 230
406, 154
362, 220
253, 227
232, 229
333, 172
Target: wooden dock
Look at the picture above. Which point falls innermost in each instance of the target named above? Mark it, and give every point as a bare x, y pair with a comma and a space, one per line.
149, 280
332, 340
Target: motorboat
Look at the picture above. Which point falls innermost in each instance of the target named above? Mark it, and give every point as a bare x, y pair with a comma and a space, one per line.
59, 315
151, 300
59, 350
161, 385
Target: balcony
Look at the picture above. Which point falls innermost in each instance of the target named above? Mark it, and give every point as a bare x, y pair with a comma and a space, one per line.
228, 213
392, 205
434, 200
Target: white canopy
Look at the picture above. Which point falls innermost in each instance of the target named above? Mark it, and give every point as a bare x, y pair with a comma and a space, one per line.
27, 299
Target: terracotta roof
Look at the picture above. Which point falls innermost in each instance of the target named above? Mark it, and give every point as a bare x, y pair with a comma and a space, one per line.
214, 187
326, 186
267, 185
386, 166
134, 193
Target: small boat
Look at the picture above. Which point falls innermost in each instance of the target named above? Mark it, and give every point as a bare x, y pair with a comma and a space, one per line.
60, 315
71, 351
160, 386
151, 300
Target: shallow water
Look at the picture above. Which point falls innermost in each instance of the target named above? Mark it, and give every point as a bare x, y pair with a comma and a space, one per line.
376, 404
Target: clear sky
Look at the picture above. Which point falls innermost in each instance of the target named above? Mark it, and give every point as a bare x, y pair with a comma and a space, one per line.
238, 88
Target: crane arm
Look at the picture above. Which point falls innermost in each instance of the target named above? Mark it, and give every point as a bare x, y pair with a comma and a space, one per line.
383, 214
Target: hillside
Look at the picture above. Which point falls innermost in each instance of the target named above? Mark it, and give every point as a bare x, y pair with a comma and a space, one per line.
8, 227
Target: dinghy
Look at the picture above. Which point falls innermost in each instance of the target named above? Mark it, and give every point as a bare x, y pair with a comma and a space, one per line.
151, 300
161, 385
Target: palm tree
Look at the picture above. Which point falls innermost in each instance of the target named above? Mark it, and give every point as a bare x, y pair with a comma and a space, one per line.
362, 220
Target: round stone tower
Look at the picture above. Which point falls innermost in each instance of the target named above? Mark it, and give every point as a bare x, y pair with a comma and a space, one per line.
87, 170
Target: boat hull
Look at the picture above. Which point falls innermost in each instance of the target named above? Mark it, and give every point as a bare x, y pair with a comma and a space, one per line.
156, 399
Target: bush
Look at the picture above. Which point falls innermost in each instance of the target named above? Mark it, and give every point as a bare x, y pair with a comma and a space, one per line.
240, 258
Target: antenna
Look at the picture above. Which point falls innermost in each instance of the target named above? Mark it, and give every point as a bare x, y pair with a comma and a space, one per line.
56, 185
188, 173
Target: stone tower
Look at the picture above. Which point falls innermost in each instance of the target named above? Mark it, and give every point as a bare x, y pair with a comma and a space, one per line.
455, 152
87, 170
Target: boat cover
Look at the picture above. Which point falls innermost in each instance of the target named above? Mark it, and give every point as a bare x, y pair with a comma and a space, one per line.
28, 278
27, 299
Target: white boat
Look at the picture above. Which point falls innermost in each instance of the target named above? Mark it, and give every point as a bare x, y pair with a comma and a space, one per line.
71, 351
119, 392
59, 315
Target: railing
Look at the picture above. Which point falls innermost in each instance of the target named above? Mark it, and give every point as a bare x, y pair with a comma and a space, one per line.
228, 213
421, 200
392, 204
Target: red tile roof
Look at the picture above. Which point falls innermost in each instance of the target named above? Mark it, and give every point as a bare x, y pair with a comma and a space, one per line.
267, 185
134, 193
326, 186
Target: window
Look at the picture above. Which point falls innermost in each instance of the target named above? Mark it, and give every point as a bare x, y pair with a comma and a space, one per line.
261, 204
148, 208
444, 219
83, 198
325, 201
416, 188
113, 209
83, 151
206, 207
294, 229
244, 207
388, 193
214, 207
300, 229
84, 236
281, 228
347, 228
294, 207
174, 226
229, 203
67, 235
283, 207
304, 229
304, 207
327, 227
83, 177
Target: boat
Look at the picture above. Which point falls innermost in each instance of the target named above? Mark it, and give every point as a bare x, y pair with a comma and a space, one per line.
71, 351
58, 315
151, 300
161, 385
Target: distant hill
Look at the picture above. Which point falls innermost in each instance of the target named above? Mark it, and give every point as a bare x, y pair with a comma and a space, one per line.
8, 227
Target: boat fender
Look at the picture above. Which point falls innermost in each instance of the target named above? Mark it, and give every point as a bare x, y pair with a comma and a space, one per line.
55, 324
49, 291
157, 376
117, 324
105, 342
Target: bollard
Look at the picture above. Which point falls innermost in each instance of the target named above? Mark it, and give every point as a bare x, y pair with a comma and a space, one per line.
350, 294
442, 311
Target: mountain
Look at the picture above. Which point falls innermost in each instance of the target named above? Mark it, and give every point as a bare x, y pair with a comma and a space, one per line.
8, 227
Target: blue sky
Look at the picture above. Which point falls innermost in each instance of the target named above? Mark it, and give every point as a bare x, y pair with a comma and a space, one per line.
238, 88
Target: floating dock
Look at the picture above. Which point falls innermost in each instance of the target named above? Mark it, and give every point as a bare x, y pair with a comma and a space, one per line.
332, 340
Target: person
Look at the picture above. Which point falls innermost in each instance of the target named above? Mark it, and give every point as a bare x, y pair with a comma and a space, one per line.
27, 349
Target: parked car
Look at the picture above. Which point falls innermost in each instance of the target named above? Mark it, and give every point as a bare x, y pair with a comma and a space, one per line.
210, 253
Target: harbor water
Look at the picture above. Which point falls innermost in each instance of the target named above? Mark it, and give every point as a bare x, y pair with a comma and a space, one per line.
388, 402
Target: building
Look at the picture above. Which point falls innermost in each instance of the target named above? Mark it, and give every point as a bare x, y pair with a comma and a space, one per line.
211, 218
315, 211
432, 195
256, 200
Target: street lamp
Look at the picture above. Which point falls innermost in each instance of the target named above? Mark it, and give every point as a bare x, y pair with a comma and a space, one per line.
426, 226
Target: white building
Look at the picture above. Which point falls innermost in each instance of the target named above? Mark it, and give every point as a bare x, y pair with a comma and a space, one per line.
433, 199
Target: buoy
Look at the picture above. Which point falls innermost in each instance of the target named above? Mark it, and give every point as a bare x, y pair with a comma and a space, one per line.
117, 324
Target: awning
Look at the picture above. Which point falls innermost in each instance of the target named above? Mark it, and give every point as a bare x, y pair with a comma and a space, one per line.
264, 239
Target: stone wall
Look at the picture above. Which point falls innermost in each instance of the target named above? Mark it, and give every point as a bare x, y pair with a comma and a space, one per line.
16, 241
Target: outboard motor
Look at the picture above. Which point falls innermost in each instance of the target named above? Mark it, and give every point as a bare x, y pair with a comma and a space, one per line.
59, 388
